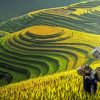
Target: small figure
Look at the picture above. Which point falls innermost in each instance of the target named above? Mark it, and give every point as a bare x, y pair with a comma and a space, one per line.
96, 53
89, 79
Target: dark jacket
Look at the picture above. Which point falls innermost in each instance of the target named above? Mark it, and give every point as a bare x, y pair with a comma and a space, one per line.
90, 82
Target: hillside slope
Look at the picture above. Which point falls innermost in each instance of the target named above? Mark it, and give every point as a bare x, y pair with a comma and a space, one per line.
62, 86
41, 50
13, 8
81, 16
3, 33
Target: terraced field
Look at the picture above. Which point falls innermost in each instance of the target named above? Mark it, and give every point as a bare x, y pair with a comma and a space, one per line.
3, 33
48, 42
81, 16
26, 54
60, 86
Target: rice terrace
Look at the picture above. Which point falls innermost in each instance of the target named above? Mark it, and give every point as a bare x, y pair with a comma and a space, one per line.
40, 52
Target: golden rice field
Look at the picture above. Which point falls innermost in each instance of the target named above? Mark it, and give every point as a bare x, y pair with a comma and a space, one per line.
62, 86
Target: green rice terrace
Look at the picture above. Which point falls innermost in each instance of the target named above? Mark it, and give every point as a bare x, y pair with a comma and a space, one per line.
47, 42
81, 16
25, 54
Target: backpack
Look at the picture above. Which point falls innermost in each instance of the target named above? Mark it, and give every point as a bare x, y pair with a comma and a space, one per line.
98, 73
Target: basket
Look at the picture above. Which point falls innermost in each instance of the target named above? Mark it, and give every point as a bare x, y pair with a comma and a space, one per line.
98, 73
81, 71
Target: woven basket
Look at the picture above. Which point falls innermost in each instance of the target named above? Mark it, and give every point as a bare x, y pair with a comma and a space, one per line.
80, 71
98, 73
